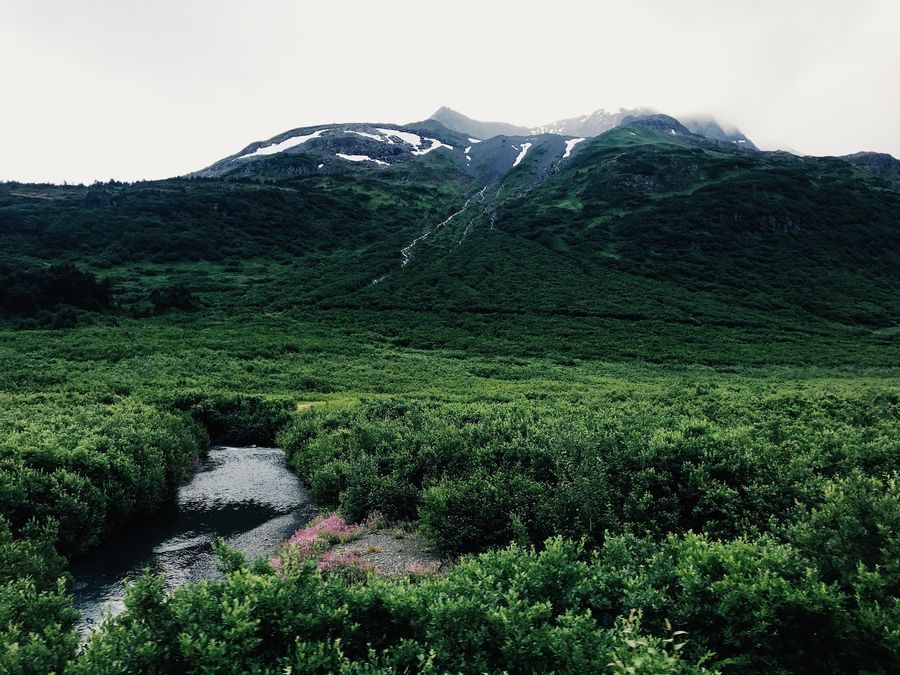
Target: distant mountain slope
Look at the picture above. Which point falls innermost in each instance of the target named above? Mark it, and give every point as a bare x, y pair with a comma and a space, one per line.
706, 126
480, 130
878, 163
598, 122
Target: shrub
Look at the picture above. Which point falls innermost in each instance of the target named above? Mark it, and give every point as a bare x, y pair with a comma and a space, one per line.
238, 420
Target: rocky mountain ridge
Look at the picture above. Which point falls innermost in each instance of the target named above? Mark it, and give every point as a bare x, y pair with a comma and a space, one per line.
337, 149
594, 124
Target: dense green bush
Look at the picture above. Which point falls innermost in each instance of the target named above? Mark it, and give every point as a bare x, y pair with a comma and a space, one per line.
483, 475
238, 420
178, 297
741, 606
36, 616
91, 467
513, 610
795, 494
70, 473
28, 292
484, 510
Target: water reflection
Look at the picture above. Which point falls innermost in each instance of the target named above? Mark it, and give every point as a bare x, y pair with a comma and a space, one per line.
246, 495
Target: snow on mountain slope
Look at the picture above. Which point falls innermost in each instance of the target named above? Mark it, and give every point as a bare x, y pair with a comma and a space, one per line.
435, 144
307, 150
525, 147
343, 148
571, 143
281, 146
360, 158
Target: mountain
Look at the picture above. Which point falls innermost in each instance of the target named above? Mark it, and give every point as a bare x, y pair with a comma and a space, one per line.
596, 123
331, 149
655, 237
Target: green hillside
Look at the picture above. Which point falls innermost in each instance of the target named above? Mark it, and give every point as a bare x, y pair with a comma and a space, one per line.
635, 233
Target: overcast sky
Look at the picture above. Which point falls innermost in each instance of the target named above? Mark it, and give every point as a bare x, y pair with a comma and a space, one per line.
119, 89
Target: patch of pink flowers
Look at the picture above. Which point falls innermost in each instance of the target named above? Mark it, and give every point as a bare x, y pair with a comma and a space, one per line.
332, 561
319, 533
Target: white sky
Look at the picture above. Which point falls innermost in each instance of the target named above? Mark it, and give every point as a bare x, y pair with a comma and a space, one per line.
99, 89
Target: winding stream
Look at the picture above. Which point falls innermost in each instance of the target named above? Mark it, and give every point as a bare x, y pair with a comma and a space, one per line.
249, 496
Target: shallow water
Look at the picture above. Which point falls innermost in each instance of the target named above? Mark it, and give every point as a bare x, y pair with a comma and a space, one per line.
246, 495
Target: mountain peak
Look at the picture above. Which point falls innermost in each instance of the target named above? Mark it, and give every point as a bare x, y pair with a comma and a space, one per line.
456, 121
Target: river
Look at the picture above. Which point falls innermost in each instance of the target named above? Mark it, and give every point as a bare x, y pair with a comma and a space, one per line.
249, 496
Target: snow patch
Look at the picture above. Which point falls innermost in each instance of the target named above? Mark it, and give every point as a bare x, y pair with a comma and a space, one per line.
291, 142
474, 140
415, 140
571, 143
672, 131
521, 156
360, 158
468, 149
435, 144
406, 136
320, 166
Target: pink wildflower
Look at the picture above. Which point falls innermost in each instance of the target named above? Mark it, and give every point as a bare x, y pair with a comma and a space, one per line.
332, 561
324, 530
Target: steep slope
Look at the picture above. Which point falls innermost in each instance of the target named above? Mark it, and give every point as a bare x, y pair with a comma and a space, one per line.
645, 226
